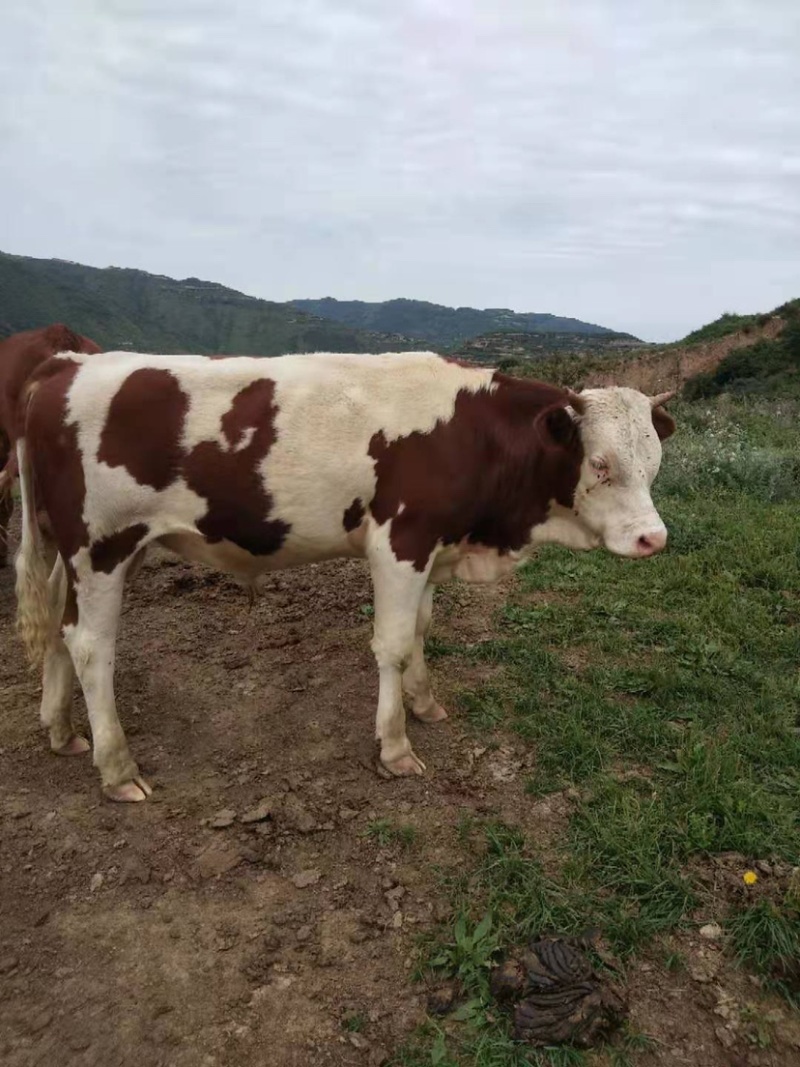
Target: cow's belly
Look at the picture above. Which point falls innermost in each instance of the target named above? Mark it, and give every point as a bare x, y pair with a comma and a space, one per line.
229, 557
473, 563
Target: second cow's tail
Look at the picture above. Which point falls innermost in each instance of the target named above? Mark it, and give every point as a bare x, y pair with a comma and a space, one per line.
35, 614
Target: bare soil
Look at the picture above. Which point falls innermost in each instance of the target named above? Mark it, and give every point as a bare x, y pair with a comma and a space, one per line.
175, 934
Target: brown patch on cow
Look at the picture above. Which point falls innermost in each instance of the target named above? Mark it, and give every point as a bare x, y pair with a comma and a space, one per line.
152, 458
487, 475
247, 410
353, 516
664, 423
231, 482
56, 457
107, 553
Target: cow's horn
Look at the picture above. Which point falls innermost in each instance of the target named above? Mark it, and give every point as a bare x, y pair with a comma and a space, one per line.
576, 401
661, 398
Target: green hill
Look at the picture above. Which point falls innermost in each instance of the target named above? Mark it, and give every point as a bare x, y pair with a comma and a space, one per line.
121, 308
440, 325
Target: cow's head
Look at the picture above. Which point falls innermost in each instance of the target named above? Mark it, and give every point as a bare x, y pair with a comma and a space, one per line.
617, 434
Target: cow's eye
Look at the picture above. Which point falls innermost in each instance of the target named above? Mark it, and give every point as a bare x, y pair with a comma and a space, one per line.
597, 463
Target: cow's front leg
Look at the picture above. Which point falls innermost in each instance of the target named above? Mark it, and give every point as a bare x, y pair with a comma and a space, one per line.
399, 588
416, 683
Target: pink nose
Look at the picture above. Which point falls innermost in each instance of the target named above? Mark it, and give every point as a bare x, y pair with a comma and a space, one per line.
650, 543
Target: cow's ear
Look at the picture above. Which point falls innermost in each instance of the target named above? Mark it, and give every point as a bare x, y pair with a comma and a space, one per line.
663, 422
557, 427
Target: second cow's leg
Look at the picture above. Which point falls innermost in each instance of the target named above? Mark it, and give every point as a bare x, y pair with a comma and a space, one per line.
416, 683
58, 678
91, 642
6, 497
6, 509
399, 589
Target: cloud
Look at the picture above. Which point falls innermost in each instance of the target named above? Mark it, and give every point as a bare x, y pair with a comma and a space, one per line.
634, 165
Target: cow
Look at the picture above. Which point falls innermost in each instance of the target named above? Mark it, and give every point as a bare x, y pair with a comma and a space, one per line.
426, 468
20, 355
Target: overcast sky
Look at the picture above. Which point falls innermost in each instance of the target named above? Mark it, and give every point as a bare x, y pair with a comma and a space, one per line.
630, 162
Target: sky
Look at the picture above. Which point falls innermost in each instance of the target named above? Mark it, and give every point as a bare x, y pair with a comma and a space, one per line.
628, 162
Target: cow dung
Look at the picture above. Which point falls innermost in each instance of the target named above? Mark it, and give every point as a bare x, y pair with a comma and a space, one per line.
557, 996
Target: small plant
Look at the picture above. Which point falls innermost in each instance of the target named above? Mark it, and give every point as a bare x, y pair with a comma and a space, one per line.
674, 961
468, 957
758, 1027
385, 833
354, 1022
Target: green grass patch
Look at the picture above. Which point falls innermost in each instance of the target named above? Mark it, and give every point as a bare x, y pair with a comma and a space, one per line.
385, 832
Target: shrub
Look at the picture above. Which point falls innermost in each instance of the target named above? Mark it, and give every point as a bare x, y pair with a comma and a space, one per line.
720, 455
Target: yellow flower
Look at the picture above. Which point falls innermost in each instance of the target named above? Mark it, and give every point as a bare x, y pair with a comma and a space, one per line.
750, 877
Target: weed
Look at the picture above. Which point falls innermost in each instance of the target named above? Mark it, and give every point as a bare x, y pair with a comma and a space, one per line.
469, 955
354, 1022
674, 961
385, 833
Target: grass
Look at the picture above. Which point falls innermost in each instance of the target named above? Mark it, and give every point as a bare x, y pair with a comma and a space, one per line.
766, 937
354, 1022
384, 832
676, 729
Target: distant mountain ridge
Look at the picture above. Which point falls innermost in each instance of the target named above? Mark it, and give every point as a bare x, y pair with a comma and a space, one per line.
441, 325
125, 308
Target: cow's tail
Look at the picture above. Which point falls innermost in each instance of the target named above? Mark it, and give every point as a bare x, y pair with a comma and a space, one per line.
35, 614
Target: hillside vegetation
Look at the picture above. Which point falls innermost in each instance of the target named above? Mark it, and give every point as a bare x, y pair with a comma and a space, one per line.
442, 325
770, 366
120, 308
721, 327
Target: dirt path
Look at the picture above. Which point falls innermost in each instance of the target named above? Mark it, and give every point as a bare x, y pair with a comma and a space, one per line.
142, 935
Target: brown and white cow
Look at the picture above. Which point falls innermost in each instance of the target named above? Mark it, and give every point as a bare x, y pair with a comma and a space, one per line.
426, 468
20, 355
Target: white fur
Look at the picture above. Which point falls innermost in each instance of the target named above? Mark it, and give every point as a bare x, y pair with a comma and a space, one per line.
615, 508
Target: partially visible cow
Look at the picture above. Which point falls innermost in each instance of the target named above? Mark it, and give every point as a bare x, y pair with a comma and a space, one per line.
426, 468
20, 355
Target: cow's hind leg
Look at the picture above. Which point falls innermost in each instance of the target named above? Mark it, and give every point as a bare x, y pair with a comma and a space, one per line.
399, 589
91, 640
416, 683
59, 677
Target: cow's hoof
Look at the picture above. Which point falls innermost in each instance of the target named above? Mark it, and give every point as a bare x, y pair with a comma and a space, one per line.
76, 746
128, 792
404, 766
435, 713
